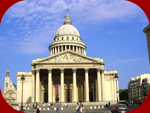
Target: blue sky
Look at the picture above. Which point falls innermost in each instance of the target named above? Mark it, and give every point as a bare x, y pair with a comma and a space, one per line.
111, 29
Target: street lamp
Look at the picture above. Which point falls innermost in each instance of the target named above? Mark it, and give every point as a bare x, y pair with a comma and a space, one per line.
22, 80
116, 77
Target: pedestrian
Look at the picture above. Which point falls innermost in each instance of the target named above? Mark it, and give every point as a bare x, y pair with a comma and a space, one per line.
51, 105
127, 103
33, 105
65, 104
109, 104
60, 105
79, 110
38, 111
48, 105
57, 107
43, 106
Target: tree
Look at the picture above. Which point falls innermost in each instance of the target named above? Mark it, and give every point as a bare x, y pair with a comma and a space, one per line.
123, 94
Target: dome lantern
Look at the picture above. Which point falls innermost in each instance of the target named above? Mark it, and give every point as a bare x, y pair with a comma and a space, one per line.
67, 19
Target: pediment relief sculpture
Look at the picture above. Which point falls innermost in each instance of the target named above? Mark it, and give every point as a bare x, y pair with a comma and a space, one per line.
66, 58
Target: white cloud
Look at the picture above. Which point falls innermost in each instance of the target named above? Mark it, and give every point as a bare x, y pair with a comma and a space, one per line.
126, 61
38, 20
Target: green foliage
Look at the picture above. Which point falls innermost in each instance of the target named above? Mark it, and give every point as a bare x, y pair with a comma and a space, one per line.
123, 94
137, 101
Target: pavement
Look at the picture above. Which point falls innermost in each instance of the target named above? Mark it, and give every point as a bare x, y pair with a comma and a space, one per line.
88, 110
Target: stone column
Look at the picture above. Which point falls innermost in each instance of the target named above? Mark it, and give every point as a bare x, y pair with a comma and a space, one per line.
83, 51
102, 84
99, 98
37, 85
49, 85
58, 50
62, 85
74, 86
55, 49
33, 86
77, 49
117, 89
86, 85
73, 48
112, 84
51, 51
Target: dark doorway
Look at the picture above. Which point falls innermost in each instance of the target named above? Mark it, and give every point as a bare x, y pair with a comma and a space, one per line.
91, 96
45, 97
68, 95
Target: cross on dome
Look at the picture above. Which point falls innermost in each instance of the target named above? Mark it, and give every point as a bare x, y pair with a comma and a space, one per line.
67, 19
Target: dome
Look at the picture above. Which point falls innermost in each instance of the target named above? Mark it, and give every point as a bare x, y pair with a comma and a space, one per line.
67, 29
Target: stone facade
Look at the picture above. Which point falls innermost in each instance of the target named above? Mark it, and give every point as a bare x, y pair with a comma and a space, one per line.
10, 90
147, 31
135, 89
67, 73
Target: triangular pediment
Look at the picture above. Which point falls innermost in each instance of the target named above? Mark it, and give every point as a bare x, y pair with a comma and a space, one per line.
68, 57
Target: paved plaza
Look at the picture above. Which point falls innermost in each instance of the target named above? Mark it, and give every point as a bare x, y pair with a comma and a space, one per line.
68, 110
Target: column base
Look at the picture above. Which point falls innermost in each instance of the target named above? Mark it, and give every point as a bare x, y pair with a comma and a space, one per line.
86, 101
74, 101
50, 102
99, 100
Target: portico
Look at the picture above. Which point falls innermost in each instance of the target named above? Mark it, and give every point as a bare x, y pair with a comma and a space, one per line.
76, 78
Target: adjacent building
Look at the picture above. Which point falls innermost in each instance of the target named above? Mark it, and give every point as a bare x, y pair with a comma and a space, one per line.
138, 87
10, 90
68, 74
147, 31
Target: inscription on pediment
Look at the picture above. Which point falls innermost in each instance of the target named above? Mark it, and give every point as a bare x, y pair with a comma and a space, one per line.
67, 57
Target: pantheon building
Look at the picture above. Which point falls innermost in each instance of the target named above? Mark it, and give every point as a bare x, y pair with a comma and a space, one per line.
67, 73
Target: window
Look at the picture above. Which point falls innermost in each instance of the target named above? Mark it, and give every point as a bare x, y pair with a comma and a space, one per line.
58, 39
6, 84
62, 38
72, 38
67, 38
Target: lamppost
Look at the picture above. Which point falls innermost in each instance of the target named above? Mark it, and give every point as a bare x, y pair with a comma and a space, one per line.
22, 80
116, 77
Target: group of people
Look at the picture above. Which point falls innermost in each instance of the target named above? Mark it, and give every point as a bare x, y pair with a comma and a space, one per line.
49, 105
58, 106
